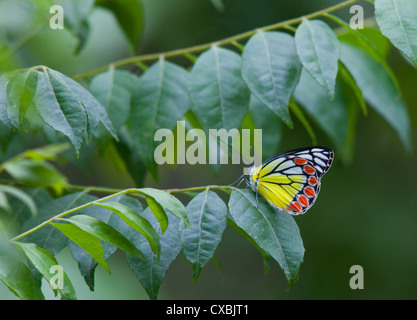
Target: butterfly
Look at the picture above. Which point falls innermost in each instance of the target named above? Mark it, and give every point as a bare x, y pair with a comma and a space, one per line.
290, 180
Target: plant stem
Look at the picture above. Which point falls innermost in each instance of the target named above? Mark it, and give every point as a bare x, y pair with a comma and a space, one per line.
221, 188
115, 193
113, 190
205, 46
92, 189
62, 214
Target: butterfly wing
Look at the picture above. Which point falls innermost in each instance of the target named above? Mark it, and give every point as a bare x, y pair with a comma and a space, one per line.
291, 180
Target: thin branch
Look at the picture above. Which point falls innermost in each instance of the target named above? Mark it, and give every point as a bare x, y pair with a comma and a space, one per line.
93, 189
62, 214
114, 194
117, 191
217, 187
205, 46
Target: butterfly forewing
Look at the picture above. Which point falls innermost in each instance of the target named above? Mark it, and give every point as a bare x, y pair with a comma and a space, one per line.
291, 180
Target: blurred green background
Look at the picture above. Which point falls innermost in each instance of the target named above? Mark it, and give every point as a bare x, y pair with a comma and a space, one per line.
366, 213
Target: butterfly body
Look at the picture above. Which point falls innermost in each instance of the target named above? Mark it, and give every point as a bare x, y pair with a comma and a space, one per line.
290, 181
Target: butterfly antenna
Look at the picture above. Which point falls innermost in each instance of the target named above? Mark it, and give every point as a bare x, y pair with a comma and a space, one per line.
247, 181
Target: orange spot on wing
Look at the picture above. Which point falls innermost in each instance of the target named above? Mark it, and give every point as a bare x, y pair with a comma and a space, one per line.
312, 181
303, 200
309, 192
300, 161
309, 169
296, 206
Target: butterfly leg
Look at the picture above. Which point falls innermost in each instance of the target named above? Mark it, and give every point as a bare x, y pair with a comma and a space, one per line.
239, 181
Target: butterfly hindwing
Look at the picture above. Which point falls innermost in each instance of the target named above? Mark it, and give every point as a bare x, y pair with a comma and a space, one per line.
291, 180
320, 158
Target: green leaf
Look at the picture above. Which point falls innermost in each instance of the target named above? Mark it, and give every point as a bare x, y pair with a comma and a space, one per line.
69, 108
17, 193
377, 40
76, 19
218, 4
152, 270
353, 113
265, 255
18, 278
370, 41
135, 221
132, 161
43, 261
90, 243
318, 49
219, 96
60, 109
203, 136
332, 117
159, 213
270, 124
397, 20
168, 203
4, 80
96, 113
20, 93
48, 237
273, 231
304, 121
36, 174
4, 203
114, 89
8, 60
352, 84
48, 152
21, 211
161, 99
378, 89
271, 69
86, 262
207, 214
103, 232
129, 16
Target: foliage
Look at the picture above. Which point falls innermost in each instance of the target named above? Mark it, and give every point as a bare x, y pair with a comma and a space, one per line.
260, 79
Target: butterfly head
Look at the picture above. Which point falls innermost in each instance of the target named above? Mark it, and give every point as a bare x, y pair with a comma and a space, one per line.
254, 177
